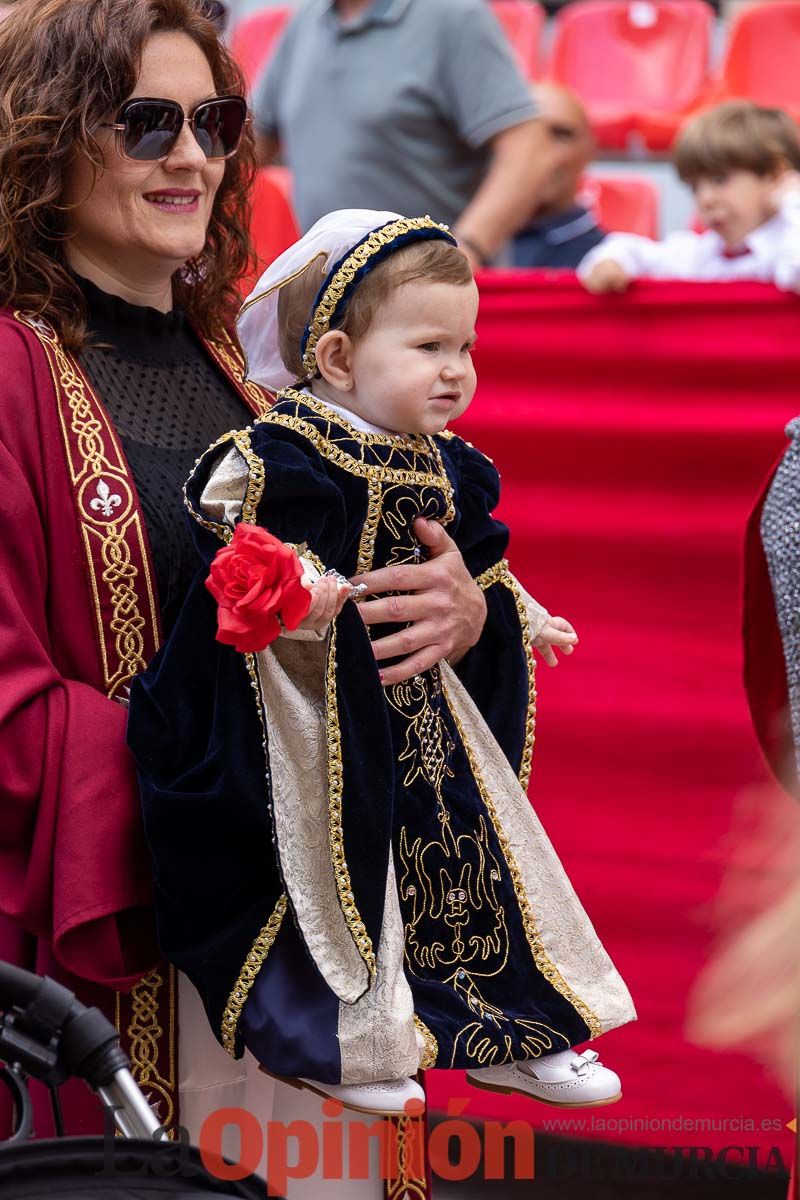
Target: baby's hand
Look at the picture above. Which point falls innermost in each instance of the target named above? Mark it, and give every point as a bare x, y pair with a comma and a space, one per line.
328, 598
557, 632
606, 276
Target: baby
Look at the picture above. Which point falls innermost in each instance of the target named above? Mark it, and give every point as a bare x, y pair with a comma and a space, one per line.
365, 889
740, 160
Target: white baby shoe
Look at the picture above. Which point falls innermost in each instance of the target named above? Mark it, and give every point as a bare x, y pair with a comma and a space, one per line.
566, 1079
385, 1098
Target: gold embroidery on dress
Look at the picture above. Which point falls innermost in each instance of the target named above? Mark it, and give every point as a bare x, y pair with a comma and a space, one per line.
543, 963
458, 923
366, 546
416, 461
428, 745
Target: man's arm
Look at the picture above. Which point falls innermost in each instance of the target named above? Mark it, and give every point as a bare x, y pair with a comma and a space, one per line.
522, 159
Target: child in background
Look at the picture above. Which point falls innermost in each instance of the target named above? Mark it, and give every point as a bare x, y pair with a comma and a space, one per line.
741, 161
351, 873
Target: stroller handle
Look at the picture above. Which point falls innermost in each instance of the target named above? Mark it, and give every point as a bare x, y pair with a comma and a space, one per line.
52, 1036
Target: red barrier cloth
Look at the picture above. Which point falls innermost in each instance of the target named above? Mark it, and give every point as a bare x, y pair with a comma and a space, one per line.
633, 434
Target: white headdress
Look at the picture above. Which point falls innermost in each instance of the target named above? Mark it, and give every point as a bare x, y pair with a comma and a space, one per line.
351, 242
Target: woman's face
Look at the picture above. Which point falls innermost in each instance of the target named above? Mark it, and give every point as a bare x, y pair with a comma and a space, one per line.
145, 219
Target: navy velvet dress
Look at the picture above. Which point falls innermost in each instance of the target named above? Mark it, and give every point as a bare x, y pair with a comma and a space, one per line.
409, 784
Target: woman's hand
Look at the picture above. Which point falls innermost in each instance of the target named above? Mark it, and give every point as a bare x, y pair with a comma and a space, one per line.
445, 607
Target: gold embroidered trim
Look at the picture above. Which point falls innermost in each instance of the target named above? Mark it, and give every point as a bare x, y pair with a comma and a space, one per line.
497, 574
256, 476
231, 358
366, 546
405, 1177
247, 976
358, 930
323, 314
500, 573
418, 443
105, 502
144, 1031
431, 1051
377, 473
540, 957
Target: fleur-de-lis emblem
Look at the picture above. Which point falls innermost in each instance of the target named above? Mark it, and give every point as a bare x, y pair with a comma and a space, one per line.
105, 501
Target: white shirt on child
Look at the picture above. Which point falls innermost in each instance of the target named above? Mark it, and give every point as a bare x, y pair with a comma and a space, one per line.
772, 253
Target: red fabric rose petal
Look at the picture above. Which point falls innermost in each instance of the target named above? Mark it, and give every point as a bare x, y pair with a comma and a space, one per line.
256, 582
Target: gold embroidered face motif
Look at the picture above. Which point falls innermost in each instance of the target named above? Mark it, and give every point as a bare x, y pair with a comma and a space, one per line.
456, 918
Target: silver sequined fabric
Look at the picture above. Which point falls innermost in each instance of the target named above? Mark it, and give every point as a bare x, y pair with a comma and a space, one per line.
780, 536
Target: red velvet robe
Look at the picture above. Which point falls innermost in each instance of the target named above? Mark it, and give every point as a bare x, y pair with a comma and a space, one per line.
78, 617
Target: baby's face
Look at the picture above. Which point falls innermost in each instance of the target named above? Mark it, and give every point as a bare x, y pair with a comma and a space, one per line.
412, 369
735, 203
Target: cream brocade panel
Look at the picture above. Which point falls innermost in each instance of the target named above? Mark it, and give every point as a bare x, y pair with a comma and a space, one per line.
292, 677
377, 1036
567, 935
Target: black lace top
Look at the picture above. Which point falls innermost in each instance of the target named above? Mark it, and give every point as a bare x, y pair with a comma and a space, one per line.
168, 402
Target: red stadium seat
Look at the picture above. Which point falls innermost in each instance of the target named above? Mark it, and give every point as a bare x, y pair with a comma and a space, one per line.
622, 203
762, 62
629, 57
523, 23
273, 225
253, 40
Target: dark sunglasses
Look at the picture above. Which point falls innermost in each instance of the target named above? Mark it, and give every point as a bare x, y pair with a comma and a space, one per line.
147, 130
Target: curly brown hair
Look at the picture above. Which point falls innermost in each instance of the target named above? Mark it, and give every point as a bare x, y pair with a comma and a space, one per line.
64, 65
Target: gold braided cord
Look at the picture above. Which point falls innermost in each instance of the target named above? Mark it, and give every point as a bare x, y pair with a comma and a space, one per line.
500, 573
344, 887
247, 976
369, 532
544, 963
256, 476
341, 281
431, 1051
417, 443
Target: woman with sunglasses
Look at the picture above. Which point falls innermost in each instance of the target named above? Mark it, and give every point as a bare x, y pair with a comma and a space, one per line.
125, 160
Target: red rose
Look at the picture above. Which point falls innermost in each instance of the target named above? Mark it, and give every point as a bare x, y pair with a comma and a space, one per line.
255, 579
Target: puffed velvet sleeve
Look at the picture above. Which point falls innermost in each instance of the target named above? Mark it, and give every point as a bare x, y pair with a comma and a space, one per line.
199, 732
499, 670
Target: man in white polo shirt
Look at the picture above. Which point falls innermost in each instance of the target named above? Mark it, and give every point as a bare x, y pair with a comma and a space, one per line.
416, 106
